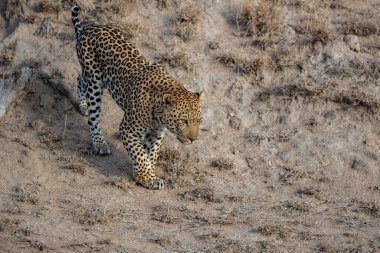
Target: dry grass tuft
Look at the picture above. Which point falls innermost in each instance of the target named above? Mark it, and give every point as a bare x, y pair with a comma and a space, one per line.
6, 57
121, 8
359, 28
76, 168
247, 67
355, 99
308, 191
27, 193
175, 60
8, 224
50, 6
203, 190
99, 214
130, 30
176, 165
74, 164
370, 208
41, 246
262, 18
314, 29
268, 230
291, 175
49, 138
166, 214
231, 245
292, 207
187, 21
162, 240
223, 164
118, 182
209, 235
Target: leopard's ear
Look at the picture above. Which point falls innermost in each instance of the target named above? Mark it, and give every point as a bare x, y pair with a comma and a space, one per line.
168, 101
198, 94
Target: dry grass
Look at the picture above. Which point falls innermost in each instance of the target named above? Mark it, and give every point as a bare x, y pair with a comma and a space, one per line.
269, 230
291, 207
308, 191
49, 6
314, 29
120, 8
76, 168
203, 190
370, 208
27, 193
241, 66
187, 22
8, 223
162, 240
261, 19
99, 213
176, 165
223, 164
117, 182
6, 57
355, 99
129, 30
74, 164
175, 60
166, 213
291, 175
359, 28
49, 138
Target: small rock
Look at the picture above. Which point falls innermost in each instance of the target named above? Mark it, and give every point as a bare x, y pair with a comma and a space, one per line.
37, 124
352, 42
235, 122
214, 45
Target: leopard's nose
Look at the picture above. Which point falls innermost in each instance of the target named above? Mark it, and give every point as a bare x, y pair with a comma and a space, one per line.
193, 137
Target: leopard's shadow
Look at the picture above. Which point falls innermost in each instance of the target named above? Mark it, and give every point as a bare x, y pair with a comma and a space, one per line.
116, 164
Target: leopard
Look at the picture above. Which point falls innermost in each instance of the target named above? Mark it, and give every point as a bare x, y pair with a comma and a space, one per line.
153, 102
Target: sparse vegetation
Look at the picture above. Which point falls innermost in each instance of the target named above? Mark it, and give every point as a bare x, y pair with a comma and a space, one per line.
359, 28
6, 56
117, 182
287, 156
120, 8
202, 192
223, 164
313, 29
261, 19
247, 67
27, 193
49, 6
187, 21
175, 60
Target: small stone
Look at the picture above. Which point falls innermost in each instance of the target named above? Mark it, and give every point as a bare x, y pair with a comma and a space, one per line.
352, 42
214, 45
235, 122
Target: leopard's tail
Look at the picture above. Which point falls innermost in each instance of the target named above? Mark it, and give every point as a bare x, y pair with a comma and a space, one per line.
75, 10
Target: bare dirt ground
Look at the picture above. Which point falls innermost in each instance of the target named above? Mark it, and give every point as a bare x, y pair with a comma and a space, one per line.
289, 149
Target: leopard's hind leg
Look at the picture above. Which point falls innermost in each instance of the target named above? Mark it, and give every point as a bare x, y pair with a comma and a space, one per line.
94, 100
82, 90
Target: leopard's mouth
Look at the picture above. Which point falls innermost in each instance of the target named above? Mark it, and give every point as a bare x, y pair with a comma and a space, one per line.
185, 141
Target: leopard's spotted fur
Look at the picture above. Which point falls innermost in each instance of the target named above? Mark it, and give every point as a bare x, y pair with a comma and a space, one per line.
152, 100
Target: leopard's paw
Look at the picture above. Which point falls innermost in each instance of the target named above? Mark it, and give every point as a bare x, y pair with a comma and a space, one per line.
101, 147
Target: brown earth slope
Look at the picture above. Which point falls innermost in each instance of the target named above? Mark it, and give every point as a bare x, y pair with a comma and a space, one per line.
289, 150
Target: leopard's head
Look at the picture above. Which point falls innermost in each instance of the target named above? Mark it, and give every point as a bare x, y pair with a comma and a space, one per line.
182, 115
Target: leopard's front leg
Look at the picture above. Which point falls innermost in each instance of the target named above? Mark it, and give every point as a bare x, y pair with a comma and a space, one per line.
152, 144
143, 171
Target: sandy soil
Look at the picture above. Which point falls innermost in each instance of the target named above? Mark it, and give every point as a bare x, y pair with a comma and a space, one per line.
289, 150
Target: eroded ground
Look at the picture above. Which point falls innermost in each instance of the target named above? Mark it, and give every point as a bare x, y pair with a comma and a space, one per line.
288, 155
